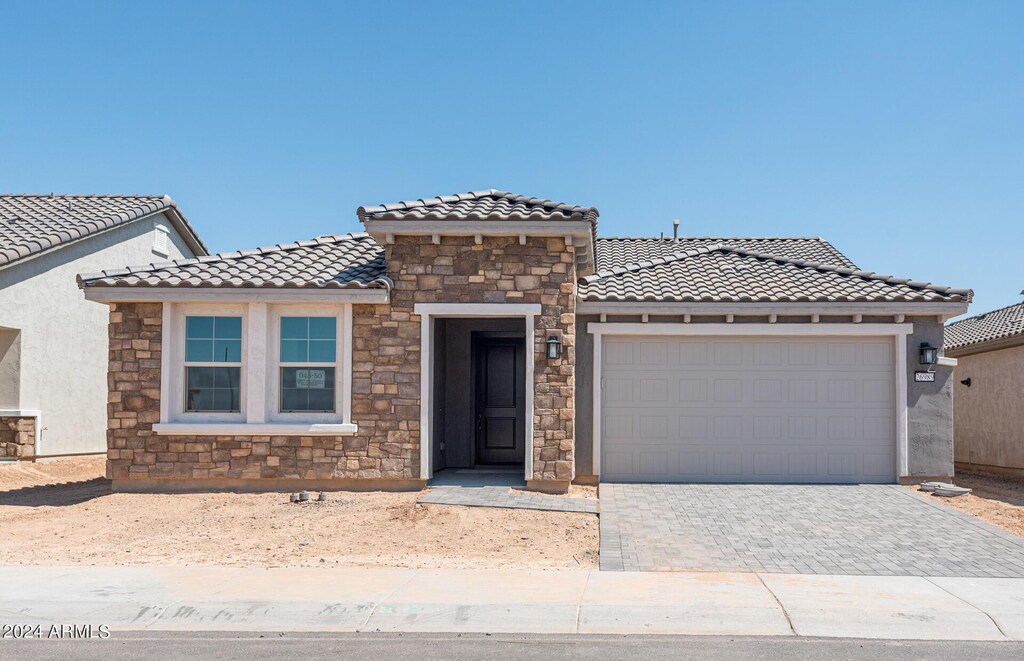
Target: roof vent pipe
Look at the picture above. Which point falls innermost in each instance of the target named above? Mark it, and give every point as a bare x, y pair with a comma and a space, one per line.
675, 229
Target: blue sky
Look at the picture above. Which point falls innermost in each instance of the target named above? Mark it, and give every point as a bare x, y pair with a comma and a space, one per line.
893, 129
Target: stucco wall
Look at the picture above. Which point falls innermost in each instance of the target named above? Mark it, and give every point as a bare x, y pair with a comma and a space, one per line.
929, 414
988, 416
63, 363
10, 368
929, 407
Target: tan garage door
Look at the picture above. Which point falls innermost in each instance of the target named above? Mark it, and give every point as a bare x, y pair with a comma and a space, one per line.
763, 409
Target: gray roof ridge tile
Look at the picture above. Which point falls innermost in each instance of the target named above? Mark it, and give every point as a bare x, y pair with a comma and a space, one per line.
366, 212
84, 278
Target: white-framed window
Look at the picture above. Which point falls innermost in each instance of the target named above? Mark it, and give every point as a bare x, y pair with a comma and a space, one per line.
308, 360
256, 368
213, 364
307, 363
206, 363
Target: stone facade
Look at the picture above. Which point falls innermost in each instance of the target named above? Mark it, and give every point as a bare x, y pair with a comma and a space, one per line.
17, 436
135, 452
496, 270
385, 375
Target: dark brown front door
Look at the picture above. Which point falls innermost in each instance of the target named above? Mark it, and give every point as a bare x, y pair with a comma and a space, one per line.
499, 395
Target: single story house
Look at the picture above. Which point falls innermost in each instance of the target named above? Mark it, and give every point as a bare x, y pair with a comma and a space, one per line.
53, 346
488, 328
988, 391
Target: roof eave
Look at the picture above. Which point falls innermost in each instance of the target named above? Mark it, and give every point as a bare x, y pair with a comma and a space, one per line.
941, 309
185, 230
993, 344
128, 294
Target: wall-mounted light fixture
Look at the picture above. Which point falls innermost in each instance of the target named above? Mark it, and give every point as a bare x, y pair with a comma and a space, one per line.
929, 354
554, 343
967, 382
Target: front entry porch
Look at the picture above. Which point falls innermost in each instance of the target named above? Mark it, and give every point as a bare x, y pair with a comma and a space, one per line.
479, 389
489, 394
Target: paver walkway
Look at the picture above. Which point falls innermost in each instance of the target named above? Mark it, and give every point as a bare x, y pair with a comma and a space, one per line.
502, 496
884, 530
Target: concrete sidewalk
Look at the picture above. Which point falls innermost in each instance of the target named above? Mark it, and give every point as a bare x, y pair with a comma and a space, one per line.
513, 601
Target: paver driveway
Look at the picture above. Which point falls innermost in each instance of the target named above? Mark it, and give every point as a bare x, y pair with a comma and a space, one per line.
813, 529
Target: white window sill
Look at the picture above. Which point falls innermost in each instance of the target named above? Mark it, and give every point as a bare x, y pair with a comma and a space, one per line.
254, 429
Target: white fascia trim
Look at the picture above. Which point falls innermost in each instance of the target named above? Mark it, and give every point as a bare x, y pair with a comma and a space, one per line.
252, 429
206, 295
611, 328
902, 413
634, 308
427, 311
28, 413
947, 362
477, 309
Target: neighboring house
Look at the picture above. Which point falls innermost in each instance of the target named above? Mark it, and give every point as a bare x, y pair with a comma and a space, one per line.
988, 396
53, 345
491, 329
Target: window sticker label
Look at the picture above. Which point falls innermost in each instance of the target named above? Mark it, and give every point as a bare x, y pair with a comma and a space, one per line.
310, 378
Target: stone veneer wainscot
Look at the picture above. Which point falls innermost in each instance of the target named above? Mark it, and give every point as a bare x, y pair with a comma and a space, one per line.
374, 458
17, 436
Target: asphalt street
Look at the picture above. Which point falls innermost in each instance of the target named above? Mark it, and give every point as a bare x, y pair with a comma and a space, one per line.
186, 645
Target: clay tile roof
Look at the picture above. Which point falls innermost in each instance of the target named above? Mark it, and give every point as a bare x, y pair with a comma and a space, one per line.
619, 251
994, 325
478, 205
31, 223
348, 260
725, 273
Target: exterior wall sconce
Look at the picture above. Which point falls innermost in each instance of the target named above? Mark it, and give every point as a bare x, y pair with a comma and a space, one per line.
929, 354
554, 343
967, 382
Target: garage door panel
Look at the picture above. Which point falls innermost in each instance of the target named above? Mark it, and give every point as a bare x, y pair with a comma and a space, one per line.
749, 410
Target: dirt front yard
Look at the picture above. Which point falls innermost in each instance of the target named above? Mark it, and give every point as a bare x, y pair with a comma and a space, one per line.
996, 499
64, 513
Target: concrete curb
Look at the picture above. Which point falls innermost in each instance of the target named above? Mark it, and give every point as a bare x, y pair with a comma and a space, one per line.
513, 601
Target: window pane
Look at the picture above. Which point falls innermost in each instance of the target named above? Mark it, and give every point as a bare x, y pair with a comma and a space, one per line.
227, 351
322, 328
321, 400
225, 378
321, 351
199, 351
293, 351
213, 389
227, 328
213, 339
294, 328
307, 389
308, 339
199, 327
225, 400
293, 400
200, 377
